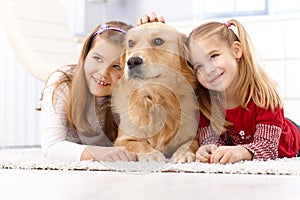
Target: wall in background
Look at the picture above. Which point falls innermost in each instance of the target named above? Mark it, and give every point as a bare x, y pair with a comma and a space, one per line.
19, 94
86, 14
34, 35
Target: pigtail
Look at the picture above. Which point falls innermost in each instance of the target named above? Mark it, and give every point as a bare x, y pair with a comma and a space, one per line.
254, 83
245, 73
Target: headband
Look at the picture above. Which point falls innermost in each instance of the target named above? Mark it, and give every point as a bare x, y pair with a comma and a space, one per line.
105, 27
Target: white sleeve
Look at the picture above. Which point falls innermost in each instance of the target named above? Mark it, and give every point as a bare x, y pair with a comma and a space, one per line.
54, 126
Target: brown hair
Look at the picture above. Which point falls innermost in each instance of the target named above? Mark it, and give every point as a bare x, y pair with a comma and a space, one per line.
79, 97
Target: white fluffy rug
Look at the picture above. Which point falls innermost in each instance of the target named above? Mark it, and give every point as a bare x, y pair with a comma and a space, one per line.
33, 159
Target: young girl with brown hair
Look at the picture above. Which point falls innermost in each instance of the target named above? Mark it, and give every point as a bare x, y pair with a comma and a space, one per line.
76, 118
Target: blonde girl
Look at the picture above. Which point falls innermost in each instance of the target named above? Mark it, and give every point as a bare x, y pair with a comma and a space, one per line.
241, 116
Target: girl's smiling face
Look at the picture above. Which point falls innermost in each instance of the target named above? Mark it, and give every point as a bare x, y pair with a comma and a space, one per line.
216, 63
102, 68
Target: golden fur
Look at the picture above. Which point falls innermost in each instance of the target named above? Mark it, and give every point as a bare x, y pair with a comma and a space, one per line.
155, 98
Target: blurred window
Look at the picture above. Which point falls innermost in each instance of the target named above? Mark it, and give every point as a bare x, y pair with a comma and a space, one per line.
229, 8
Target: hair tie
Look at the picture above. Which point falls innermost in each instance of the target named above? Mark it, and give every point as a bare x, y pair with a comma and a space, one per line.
105, 27
227, 24
233, 28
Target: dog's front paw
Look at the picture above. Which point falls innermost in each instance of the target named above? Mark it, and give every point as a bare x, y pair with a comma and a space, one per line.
183, 157
155, 156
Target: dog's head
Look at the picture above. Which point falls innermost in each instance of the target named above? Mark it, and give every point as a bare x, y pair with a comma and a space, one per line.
153, 49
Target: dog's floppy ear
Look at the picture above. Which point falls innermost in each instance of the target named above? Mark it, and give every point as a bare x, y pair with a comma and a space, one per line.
186, 68
183, 47
184, 52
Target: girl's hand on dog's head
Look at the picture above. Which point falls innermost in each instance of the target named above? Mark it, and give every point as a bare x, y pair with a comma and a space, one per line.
152, 17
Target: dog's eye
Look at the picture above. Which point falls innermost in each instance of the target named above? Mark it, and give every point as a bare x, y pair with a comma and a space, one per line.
130, 43
158, 41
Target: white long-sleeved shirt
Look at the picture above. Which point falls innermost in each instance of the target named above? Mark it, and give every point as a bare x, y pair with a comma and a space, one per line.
58, 140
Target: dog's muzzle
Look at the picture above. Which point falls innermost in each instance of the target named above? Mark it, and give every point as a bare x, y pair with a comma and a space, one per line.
134, 67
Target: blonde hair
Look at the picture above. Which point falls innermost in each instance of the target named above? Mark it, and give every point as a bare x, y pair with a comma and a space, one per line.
253, 82
79, 97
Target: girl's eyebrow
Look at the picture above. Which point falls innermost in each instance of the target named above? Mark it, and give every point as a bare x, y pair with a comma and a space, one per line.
115, 62
212, 51
97, 54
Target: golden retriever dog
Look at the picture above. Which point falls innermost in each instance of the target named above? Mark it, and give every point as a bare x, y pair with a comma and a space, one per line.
155, 99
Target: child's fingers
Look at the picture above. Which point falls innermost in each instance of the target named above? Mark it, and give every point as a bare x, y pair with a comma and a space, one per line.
130, 156
145, 19
203, 154
226, 158
153, 17
161, 19
217, 154
203, 159
138, 21
213, 148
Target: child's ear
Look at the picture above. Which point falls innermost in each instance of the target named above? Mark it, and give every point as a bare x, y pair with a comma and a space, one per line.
237, 49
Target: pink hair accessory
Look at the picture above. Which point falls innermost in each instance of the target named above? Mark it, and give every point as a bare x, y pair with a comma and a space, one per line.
233, 28
105, 27
227, 24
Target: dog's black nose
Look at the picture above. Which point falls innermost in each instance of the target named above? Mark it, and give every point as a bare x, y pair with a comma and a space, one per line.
134, 61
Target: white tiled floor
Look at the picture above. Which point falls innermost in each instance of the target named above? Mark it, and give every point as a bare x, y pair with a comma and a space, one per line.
90, 185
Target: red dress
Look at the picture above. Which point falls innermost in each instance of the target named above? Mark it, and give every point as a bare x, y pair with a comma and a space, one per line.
265, 133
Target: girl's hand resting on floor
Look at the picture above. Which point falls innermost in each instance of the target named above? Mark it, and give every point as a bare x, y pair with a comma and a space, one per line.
222, 154
108, 154
203, 154
152, 17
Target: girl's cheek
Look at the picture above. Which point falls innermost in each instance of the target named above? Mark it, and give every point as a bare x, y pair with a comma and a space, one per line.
88, 67
118, 74
200, 78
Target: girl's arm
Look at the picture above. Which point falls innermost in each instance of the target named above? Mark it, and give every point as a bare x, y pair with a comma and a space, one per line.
265, 143
207, 136
264, 147
108, 154
54, 127
57, 141
268, 129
